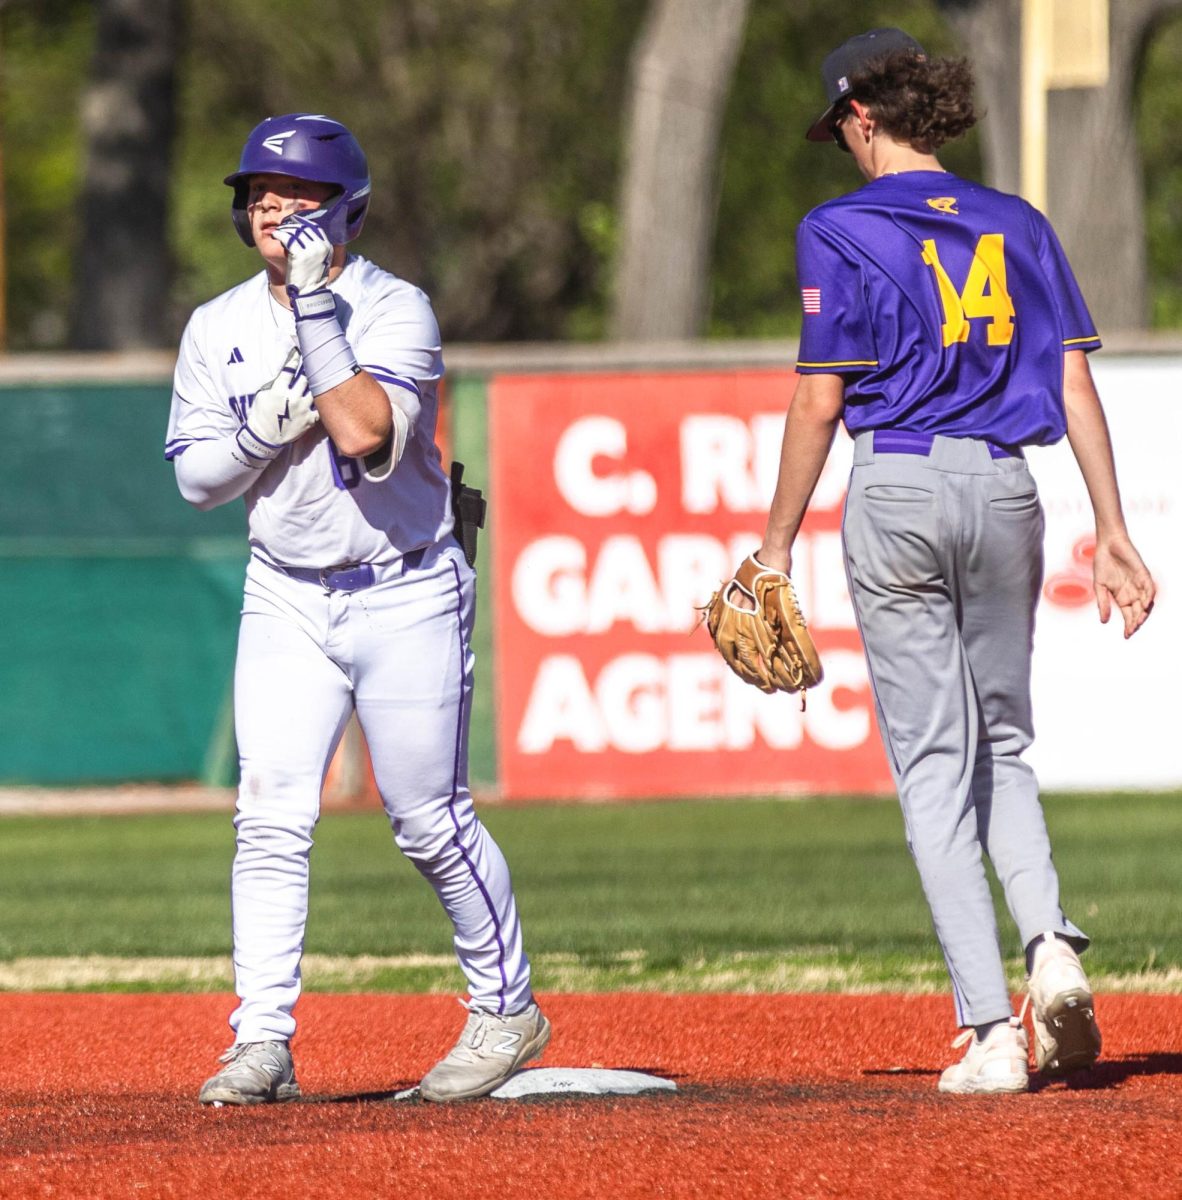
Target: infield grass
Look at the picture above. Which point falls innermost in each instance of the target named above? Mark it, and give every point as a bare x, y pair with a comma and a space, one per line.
736, 895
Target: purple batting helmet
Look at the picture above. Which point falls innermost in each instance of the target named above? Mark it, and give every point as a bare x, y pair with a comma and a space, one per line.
315, 148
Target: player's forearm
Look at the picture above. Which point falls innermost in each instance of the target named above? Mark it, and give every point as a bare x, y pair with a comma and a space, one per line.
1087, 433
808, 435
357, 414
213, 472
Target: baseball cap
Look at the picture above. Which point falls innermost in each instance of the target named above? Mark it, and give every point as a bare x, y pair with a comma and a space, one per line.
846, 60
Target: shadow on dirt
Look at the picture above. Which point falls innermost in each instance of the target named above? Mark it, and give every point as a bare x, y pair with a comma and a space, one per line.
1113, 1072
1106, 1073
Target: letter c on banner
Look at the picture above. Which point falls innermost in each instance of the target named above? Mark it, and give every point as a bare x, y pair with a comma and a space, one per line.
595, 495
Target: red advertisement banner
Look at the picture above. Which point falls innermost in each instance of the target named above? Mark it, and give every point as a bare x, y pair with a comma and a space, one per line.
619, 503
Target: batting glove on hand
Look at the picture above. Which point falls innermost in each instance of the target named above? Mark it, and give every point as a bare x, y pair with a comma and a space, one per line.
309, 254
279, 413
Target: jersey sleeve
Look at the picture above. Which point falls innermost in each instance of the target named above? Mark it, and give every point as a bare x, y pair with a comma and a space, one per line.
400, 346
400, 337
197, 414
836, 335
1079, 330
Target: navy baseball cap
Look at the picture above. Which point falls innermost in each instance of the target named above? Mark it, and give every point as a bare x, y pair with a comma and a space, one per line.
847, 60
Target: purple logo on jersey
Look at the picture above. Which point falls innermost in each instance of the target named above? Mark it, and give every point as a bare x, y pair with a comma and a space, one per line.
240, 406
235, 357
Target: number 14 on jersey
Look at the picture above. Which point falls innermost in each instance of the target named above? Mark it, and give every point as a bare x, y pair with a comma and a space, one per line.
984, 294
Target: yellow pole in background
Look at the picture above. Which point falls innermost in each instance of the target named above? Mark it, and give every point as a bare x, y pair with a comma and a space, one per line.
1064, 45
1035, 37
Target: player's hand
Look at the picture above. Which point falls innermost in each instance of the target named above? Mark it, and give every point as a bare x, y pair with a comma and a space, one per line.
309, 253
280, 412
1121, 578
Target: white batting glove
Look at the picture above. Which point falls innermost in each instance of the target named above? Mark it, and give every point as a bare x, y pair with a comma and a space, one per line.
280, 412
309, 254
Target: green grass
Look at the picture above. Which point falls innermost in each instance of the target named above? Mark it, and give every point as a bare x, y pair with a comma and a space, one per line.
731, 895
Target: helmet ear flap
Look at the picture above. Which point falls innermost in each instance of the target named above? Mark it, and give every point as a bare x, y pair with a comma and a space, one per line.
239, 214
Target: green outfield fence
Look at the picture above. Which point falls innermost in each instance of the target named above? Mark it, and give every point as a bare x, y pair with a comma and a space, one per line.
118, 601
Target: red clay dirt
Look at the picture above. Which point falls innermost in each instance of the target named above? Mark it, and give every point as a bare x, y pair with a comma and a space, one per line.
779, 1096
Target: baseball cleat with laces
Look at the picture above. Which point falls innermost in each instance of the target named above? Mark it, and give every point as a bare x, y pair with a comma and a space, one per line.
996, 1064
490, 1050
255, 1073
1062, 1010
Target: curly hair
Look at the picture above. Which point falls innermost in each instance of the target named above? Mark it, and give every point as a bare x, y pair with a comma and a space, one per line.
923, 102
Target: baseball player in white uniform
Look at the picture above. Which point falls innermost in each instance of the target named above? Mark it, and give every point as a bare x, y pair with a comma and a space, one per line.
310, 390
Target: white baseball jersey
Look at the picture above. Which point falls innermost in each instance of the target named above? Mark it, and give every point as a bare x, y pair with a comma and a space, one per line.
312, 506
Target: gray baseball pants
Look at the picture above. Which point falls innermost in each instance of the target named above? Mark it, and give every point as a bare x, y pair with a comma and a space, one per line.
944, 558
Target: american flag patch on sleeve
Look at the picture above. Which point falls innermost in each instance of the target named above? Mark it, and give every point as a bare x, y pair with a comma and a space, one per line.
811, 298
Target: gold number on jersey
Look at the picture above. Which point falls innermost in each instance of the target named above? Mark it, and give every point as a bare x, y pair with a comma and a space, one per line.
984, 293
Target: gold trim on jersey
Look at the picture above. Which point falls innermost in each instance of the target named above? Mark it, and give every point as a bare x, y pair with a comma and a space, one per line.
857, 362
1095, 337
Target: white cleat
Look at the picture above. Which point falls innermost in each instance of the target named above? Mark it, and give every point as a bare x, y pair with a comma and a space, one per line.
490, 1050
255, 1073
996, 1066
1062, 1010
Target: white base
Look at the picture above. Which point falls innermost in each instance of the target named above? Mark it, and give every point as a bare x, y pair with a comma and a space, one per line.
572, 1081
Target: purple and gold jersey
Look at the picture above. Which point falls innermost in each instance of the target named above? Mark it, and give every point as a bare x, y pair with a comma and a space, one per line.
945, 305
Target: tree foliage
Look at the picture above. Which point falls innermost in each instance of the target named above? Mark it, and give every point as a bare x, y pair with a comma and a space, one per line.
494, 131
771, 175
490, 130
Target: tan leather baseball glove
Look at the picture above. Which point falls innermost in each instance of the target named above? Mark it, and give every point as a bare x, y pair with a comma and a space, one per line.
768, 644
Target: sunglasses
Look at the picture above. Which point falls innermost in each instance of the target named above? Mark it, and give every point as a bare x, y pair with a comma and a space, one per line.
835, 123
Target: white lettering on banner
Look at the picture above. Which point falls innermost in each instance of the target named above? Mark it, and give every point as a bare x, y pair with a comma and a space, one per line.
829, 494
767, 436
716, 465
641, 702
631, 698
622, 588
690, 566
549, 589
594, 495
557, 593
561, 709
828, 605
731, 464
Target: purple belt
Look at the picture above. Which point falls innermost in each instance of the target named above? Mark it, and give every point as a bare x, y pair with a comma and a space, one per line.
904, 441
345, 578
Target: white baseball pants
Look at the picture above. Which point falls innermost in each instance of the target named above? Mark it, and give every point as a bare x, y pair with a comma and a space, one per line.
399, 653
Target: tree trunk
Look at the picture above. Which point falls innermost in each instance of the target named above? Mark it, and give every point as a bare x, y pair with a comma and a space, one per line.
124, 268
681, 74
1095, 194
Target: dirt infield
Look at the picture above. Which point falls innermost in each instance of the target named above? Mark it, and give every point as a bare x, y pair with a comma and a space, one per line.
779, 1096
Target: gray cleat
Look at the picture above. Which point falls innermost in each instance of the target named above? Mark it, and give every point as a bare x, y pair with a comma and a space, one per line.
255, 1073
490, 1050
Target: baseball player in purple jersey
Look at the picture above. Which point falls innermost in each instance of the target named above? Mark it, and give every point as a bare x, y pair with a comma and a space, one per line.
310, 390
943, 325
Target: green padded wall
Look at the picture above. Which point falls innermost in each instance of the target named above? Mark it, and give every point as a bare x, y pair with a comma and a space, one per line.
118, 601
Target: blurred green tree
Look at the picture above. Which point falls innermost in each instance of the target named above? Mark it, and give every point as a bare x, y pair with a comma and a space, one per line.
770, 175
681, 72
45, 50
123, 261
1095, 174
494, 130
490, 130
